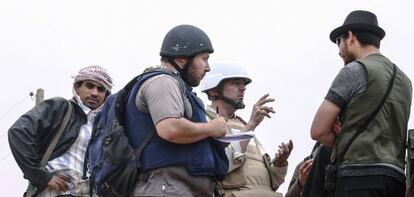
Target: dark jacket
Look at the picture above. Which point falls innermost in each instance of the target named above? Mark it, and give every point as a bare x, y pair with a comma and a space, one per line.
31, 134
315, 183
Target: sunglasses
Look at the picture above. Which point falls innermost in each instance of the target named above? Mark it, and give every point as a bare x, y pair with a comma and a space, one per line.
338, 39
344, 36
90, 85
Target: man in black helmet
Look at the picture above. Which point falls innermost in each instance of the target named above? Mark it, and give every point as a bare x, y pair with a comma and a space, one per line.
371, 98
182, 159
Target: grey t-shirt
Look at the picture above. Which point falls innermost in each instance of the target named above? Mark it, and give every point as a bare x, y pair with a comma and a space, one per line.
349, 83
162, 97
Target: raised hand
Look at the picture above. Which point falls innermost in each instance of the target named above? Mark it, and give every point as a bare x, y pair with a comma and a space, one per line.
259, 111
283, 154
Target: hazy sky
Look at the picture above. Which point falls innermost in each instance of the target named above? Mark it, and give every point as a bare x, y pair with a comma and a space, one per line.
284, 45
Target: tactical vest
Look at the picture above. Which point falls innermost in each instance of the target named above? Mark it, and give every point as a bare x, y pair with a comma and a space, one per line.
203, 158
253, 162
384, 139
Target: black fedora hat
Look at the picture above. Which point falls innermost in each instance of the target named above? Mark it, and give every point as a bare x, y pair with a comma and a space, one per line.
359, 21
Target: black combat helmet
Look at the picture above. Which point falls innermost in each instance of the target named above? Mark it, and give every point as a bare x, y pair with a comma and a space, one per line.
185, 41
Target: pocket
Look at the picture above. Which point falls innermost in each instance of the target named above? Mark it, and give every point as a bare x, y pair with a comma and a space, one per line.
234, 179
116, 145
121, 182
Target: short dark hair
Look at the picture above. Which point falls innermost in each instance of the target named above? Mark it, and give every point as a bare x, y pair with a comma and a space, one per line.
367, 38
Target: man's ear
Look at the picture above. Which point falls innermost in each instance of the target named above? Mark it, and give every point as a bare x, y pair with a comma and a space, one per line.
214, 92
181, 61
76, 86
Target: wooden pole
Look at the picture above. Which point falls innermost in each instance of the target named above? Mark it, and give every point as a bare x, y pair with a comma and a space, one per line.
40, 94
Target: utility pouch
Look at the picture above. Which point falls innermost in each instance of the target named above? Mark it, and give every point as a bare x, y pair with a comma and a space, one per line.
273, 179
331, 172
218, 192
236, 159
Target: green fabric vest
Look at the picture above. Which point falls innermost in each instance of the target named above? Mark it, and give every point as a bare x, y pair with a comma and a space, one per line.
384, 139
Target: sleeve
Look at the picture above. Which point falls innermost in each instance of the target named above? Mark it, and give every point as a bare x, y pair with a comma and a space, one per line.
279, 174
349, 83
29, 134
162, 97
295, 190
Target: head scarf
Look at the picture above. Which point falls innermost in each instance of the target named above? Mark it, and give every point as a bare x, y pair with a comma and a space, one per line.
95, 73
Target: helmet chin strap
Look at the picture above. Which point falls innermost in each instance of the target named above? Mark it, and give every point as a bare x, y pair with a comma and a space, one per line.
237, 104
182, 71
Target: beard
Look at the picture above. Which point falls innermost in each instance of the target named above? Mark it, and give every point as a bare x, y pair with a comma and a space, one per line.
346, 56
347, 60
192, 80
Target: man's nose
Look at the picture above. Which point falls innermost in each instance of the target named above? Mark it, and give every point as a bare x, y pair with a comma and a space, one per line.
243, 87
94, 91
207, 68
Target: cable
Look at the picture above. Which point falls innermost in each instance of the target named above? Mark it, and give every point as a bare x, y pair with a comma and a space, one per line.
31, 94
5, 156
15, 105
1, 143
12, 108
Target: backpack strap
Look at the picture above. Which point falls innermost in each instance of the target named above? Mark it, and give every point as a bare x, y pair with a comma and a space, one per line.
55, 140
31, 190
144, 143
125, 93
144, 76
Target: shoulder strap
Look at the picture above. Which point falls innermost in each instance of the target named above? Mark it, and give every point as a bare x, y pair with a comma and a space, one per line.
55, 140
364, 126
149, 74
141, 79
31, 190
144, 143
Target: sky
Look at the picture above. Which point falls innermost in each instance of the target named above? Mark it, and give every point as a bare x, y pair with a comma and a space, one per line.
283, 44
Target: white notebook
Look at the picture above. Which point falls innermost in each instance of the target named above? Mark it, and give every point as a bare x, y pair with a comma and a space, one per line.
236, 137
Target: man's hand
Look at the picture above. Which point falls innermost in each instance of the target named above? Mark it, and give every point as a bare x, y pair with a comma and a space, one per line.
283, 154
337, 126
259, 111
219, 127
304, 172
59, 183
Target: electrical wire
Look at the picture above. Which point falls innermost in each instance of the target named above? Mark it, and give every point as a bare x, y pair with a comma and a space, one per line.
5, 156
15, 105
12, 108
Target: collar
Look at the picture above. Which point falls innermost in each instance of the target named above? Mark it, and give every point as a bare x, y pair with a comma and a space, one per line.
168, 69
176, 74
212, 110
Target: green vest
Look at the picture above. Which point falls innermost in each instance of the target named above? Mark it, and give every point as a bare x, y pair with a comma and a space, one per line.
384, 139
